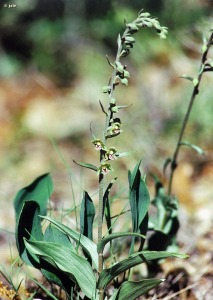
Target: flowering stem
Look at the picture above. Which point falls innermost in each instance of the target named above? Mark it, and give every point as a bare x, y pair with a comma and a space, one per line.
186, 118
112, 126
112, 90
109, 116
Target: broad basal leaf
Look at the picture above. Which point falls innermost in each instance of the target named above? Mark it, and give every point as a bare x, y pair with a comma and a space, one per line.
54, 275
53, 234
39, 191
28, 226
80, 239
67, 261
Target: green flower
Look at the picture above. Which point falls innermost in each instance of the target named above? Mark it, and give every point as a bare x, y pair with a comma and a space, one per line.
99, 145
111, 154
104, 169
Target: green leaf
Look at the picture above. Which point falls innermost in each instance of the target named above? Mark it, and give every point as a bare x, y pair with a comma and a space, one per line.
80, 239
107, 275
103, 110
139, 200
116, 235
132, 177
130, 290
187, 77
194, 147
85, 165
87, 215
39, 191
54, 235
67, 261
122, 154
143, 231
166, 219
166, 164
123, 106
160, 202
28, 226
106, 205
29, 203
54, 275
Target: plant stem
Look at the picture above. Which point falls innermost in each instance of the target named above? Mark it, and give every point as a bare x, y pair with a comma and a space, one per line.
109, 116
125, 43
100, 221
186, 118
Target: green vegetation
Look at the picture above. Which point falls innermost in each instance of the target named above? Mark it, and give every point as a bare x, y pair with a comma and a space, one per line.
85, 259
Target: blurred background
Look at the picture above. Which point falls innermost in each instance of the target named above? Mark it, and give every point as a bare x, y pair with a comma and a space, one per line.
52, 69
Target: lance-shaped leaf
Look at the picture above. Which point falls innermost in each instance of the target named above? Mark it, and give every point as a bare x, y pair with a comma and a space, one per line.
139, 199
39, 191
86, 244
184, 76
124, 106
85, 165
194, 147
166, 164
116, 235
87, 215
76, 267
122, 154
102, 108
130, 290
28, 226
107, 275
106, 206
132, 176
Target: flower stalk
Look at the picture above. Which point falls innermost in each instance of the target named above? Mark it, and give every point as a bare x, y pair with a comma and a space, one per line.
204, 67
113, 125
